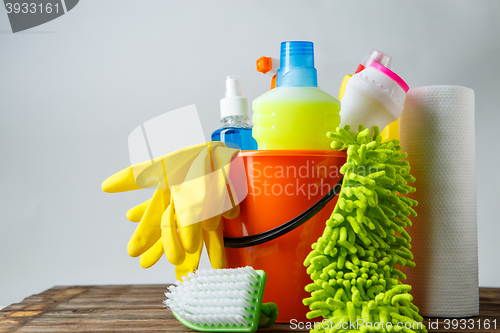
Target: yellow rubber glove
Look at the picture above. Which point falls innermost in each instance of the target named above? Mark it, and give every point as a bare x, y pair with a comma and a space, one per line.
159, 229
153, 254
135, 214
195, 211
213, 230
190, 264
214, 244
173, 167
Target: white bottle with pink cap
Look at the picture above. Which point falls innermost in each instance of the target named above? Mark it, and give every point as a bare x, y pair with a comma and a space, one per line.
373, 97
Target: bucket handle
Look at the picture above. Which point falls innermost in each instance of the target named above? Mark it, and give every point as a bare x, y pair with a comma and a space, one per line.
266, 236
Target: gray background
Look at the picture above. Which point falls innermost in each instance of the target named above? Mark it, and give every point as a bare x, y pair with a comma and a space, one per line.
73, 89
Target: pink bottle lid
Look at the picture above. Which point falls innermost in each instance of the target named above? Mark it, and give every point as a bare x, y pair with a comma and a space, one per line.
391, 74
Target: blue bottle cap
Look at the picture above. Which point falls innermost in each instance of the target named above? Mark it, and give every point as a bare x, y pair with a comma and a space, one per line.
297, 65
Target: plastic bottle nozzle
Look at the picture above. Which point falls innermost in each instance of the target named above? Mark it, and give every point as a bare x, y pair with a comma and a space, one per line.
264, 64
375, 56
233, 86
268, 65
234, 104
297, 65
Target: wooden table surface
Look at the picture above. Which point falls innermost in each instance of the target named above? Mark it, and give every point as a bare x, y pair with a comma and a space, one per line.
139, 308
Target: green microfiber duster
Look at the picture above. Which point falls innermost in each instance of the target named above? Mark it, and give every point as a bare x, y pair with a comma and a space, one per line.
356, 285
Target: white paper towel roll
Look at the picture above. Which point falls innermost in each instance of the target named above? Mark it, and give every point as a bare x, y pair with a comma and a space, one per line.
437, 132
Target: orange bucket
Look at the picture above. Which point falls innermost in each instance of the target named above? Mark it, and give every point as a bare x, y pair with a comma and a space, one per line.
291, 194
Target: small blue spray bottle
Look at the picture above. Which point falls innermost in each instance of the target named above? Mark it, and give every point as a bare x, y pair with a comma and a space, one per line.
235, 132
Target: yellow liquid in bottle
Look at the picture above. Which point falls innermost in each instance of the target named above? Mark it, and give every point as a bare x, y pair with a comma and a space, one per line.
295, 118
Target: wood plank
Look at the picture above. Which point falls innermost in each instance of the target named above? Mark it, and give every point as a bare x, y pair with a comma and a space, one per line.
139, 308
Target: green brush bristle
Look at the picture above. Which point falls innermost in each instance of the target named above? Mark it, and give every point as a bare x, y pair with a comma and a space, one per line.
353, 264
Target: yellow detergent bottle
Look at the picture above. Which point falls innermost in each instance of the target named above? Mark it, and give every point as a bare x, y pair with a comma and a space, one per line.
296, 114
391, 131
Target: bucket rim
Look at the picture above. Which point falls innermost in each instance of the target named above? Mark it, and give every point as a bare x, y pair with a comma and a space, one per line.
293, 152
